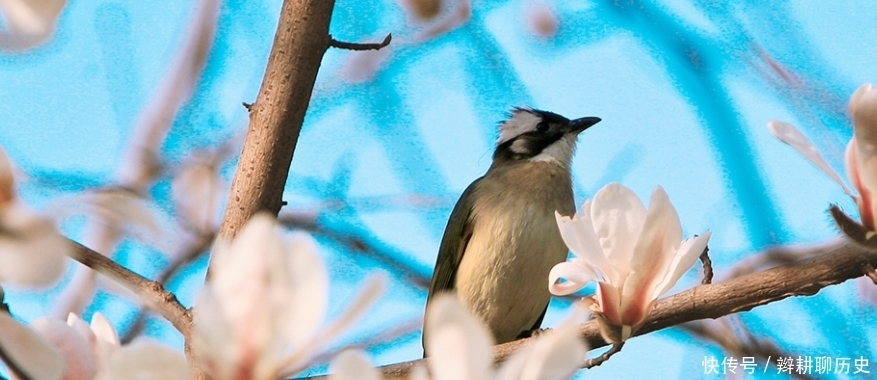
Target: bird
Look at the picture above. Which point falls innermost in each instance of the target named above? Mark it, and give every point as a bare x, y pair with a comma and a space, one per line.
502, 238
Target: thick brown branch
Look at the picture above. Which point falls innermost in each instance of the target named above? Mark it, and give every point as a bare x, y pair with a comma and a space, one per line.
151, 293
802, 278
360, 47
276, 117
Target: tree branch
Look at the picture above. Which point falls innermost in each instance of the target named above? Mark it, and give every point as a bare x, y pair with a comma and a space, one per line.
801, 278
276, 117
151, 293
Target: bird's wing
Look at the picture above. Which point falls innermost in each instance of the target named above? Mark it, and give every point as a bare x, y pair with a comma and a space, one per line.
452, 249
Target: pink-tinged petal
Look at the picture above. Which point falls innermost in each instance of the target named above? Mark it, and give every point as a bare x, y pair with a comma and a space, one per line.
107, 342
790, 135
685, 258
554, 354
578, 234
609, 299
459, 345
352, 365
653, 255
146, 360
371, 291
576, 273
865, 196
618, 217
32, 251
78, 358
863, 108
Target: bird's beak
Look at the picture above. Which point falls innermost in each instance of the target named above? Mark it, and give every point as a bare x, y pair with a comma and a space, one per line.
581, 124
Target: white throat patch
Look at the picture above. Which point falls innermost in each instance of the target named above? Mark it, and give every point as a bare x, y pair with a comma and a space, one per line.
560, 152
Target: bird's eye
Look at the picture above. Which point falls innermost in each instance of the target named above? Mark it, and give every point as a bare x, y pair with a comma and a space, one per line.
542, 127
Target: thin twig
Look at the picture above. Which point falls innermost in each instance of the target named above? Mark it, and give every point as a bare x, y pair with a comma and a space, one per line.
198, 247
591, 363
151, 293
358, 46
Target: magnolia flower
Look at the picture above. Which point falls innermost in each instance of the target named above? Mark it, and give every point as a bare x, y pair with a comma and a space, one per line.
635, 255
32, 250
28, 22
861, 153
259, 316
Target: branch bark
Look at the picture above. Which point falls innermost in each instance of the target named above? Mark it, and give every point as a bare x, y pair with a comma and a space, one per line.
276, 117
151, 293
801, 278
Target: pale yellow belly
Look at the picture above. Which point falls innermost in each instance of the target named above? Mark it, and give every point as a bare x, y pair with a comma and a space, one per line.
503, 276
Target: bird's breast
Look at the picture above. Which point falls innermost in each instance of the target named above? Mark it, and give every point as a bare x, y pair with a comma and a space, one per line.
515, 242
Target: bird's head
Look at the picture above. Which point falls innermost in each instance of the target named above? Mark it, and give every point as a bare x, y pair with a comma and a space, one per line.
536, 135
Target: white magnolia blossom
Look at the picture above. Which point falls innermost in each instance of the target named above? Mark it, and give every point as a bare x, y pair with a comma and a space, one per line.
460, 347
28, 23
635, 255
260, 315
860, 157
32, 251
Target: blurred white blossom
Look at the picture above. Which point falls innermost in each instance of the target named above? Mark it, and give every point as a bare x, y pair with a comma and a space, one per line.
635, 255
28, 22
30, 352
420, 11
94, 352
460, 347
32, 251
861, 153
541, 20
260, 315
198, 191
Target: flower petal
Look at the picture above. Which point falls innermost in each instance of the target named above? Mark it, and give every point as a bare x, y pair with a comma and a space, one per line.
618, 217
792, 136
144, 359
578, 234
608, 299
685, 257
459, 345
32, 251
554, 354
308, 289
654, 252
28, 23
107, 342
577, 274
352, 364
863, 107
69, 352
372, 289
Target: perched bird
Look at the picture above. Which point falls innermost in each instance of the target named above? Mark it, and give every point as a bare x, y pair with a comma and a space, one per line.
502, 238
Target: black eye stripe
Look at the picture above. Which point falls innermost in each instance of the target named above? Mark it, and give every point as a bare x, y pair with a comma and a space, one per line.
542, 127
